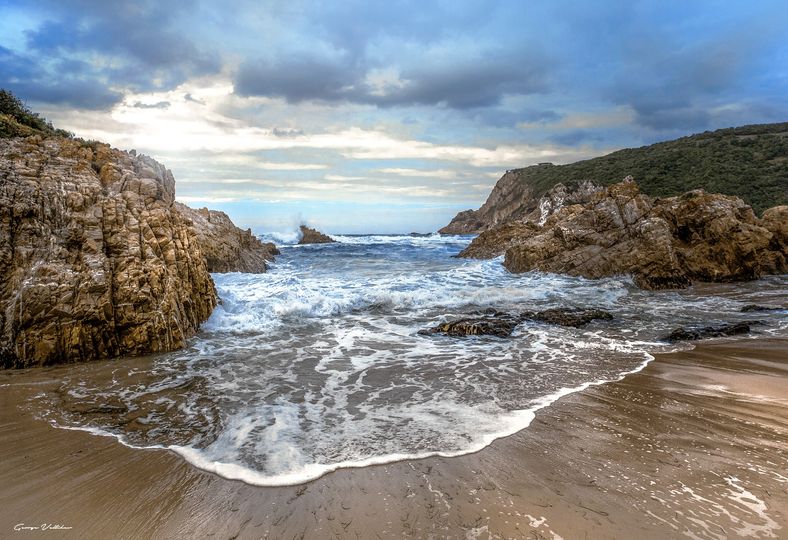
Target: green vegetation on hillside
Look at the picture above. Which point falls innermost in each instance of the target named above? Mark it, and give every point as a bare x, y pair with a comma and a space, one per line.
17, 120
750, 162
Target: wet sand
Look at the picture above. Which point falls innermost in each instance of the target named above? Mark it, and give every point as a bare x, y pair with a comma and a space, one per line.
695, 445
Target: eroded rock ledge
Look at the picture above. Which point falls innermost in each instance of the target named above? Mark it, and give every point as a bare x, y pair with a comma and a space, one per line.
95, 261
662, 243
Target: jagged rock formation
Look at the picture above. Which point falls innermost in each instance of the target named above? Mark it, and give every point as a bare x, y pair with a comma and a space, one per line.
94, 260
498, 238
750, 162
513, 200
312, 236
226, 247
662, 243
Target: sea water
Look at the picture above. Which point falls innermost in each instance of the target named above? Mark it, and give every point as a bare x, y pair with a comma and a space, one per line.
318, 363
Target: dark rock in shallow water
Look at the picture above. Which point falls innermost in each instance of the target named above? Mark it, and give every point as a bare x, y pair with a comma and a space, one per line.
501, 325
567, 317
693, 334
754, 307
492, 322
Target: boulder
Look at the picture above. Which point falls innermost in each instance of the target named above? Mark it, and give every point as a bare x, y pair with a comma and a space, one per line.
95, 261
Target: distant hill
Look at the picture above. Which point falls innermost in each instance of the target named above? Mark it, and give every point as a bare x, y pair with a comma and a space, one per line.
750, 162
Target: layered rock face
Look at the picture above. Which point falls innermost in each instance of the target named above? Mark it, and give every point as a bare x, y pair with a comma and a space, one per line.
312, 236
94, 260
226, 247
662, 243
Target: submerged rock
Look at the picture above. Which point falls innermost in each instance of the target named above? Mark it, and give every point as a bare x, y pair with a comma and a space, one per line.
312, 236
95, 262
568, 317
226, 247
693, 334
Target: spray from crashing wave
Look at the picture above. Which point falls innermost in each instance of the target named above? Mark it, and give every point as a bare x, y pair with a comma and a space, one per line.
318, 364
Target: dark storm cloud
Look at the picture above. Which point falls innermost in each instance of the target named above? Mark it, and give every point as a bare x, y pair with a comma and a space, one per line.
75, 93
467, 85
298, 79
458, 85
86, 53
21, 75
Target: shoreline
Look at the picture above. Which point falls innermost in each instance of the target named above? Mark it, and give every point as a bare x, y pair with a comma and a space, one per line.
694, 442
234, 472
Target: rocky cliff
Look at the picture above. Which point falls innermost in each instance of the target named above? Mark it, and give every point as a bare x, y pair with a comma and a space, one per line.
226, 247
95, 261
662, 243
750, 162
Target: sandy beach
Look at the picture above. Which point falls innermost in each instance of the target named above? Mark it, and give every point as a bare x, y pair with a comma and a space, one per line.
695, 445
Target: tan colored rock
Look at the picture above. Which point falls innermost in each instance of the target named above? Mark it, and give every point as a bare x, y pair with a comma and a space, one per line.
494, 241
312, 236
226, 247
94, 260
662, 243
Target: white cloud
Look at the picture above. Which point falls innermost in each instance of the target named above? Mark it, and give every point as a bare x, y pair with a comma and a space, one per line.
187, 126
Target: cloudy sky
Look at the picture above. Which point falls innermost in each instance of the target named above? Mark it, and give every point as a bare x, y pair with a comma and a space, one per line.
386, 116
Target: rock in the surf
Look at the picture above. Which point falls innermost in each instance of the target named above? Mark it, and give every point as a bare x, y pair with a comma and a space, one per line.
754, 307
567, 316
723, 330
500, 325
313, 236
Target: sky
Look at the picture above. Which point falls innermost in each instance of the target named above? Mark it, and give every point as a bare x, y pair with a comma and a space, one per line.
385, 117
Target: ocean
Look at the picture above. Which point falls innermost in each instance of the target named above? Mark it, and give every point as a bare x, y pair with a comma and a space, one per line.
318, 364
